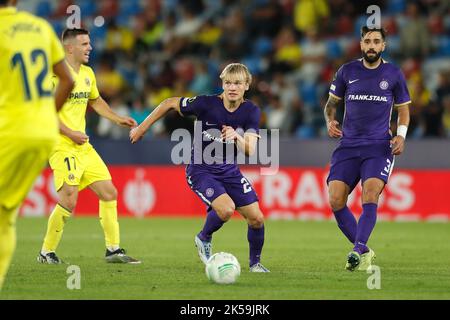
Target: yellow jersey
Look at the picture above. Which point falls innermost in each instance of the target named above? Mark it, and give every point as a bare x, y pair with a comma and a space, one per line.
28, 50
73, 112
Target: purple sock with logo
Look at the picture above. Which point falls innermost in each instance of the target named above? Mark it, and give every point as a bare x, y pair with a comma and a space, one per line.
212, 224
347, 223
366, 224
256, 241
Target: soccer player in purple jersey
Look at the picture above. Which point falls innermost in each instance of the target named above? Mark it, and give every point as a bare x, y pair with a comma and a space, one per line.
226, 120
369, 87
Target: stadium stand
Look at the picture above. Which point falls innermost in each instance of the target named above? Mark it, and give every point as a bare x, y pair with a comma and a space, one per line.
159, 48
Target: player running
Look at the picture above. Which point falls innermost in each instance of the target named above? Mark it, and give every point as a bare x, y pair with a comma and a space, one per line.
30, 53
75, 163
369, 87
218, 182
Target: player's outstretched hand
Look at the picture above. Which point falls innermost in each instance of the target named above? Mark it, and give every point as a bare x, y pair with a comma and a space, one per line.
398, 145
228, 133
136, 134
79, 137
333, 129
127, 122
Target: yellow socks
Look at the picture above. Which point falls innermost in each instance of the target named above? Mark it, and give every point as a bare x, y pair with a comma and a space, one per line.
7, 240
110, 225
108, 220
55, 228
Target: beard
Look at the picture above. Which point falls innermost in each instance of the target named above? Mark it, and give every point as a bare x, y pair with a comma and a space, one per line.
371, 59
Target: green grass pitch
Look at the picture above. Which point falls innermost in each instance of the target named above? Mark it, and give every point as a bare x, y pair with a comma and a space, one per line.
306, 260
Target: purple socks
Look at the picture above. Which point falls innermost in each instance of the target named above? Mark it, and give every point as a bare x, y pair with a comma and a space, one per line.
357, 233
347, 223
212, 224
255, 236
256, 241
366, 224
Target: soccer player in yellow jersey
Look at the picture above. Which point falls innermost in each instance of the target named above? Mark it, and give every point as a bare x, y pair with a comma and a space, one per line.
75, 163
29, 53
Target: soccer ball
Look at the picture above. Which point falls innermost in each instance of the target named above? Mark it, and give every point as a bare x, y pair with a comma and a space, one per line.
223, 268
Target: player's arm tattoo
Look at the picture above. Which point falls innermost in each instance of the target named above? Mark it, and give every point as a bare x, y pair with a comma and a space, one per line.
330, 108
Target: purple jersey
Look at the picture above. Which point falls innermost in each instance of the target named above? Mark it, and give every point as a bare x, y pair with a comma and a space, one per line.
211, 116
369, 95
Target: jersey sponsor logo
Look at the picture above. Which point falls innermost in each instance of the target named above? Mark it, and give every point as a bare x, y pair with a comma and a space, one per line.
351, 81
332, 87
384, 85
366, 97
80, 95
210, 137
87, 81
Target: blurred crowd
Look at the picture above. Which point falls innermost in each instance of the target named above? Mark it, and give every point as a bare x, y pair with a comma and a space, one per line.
148, 50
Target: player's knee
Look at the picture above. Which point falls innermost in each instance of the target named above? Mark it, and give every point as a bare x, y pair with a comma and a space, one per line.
8, 217
68, 203
68, 197
114, 193
256, 222
226, 212
110, 194
337, 202
370, 195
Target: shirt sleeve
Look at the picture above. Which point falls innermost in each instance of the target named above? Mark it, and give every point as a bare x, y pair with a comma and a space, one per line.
94, 90
338, 86
400, 91
192, 105
252, 125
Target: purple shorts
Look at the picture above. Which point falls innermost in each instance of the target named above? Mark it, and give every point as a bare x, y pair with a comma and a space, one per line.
351, 164
208, 186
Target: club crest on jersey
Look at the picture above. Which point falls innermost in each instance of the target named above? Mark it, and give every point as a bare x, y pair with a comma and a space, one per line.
71, 177
88, 83
384, 85
209, 192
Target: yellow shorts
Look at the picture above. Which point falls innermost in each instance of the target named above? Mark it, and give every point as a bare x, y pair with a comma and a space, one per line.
21, 162
78, 167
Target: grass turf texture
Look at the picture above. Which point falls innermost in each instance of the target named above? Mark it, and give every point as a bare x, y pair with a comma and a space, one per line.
306, 260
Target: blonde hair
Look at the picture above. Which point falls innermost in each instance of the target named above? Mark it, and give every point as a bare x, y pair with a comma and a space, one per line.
236, 68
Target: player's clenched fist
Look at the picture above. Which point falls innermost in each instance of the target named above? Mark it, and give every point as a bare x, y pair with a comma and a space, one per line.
333, 129
228, 133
